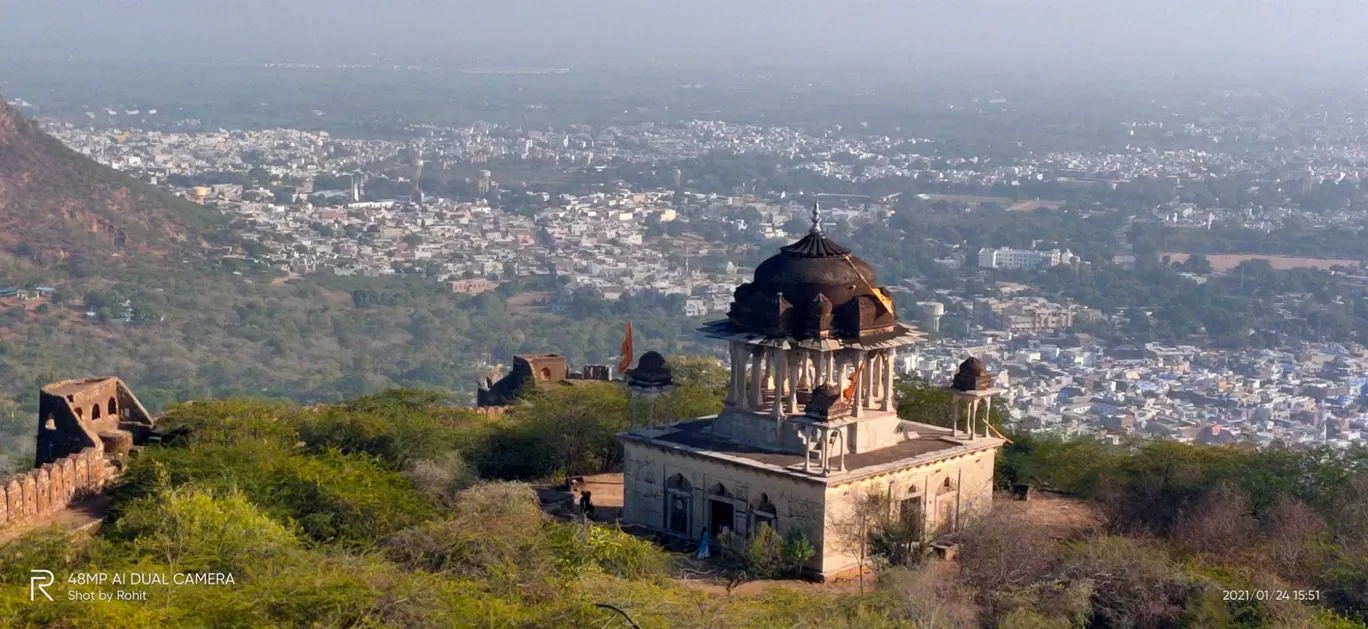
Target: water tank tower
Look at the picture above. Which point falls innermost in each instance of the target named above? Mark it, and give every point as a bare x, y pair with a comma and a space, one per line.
932, 311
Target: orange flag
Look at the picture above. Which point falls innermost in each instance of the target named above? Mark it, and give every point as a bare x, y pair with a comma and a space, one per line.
884, 300
849, 393
626, 351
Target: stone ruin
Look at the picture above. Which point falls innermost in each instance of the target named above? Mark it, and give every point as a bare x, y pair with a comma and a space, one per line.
86, 428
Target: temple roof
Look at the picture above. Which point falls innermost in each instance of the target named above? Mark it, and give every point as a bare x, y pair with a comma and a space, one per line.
814, 289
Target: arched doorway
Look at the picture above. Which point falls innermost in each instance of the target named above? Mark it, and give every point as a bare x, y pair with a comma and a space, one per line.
947, 499
546, 373
113, 409
911, 512
764, 513
721, 510
679, 505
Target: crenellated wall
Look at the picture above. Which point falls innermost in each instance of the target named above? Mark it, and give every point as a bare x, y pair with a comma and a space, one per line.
51, 487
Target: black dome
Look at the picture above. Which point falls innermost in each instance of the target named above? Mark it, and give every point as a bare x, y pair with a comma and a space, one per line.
813, 288
813, 265
651, 361
651, 370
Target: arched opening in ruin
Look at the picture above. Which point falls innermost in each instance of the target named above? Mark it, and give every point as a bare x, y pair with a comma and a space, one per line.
95, 410
546, 373
80, 413
764, 514
679, 505
113, 409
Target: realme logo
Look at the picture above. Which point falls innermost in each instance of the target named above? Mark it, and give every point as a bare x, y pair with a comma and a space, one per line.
38, 582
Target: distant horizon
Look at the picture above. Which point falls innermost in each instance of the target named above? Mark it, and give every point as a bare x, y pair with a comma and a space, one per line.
1234, 38
817, 74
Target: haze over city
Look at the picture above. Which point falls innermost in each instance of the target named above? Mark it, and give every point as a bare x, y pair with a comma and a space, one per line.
759, 314
1046, 37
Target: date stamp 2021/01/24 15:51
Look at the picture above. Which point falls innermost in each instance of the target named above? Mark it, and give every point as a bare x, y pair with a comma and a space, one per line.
1271, 595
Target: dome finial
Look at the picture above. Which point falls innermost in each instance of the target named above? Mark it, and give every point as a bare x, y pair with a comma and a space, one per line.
816, 218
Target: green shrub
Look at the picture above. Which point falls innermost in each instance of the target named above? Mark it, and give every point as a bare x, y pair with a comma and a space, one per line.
761, 555
580, 548
797, 551
352, 499
193, 530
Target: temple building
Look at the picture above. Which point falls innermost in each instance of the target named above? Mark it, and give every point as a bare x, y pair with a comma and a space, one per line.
810, 424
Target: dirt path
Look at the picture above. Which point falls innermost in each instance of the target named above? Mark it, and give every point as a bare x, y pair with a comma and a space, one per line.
1064, 517
83, 516
716, 587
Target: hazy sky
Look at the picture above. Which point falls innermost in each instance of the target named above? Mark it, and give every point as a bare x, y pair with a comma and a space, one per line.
1054, 36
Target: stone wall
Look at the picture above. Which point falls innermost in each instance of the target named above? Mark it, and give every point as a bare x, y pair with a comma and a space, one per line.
51, 487
78, 414
649, 471
949, 492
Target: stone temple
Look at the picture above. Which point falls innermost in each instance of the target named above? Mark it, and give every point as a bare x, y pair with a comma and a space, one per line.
810, 424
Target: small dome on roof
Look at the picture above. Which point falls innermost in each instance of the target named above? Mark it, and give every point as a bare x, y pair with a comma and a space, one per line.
972, 376
651, 371
651, 361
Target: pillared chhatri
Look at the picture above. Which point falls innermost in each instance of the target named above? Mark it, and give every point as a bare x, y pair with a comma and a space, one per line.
810, 425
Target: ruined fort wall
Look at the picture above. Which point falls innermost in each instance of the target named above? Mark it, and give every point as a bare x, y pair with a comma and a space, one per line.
60, 431
51, 487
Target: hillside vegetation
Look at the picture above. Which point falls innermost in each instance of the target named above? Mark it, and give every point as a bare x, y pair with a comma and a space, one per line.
399, 510
58, 206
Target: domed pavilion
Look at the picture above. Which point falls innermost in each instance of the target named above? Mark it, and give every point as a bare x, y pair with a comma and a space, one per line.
810, 423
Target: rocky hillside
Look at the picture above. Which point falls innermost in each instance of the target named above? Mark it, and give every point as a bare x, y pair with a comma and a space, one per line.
56, 204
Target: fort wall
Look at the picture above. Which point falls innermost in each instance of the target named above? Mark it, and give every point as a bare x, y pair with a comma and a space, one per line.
52, 487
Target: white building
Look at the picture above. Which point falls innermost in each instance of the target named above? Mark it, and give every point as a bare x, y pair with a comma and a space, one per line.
1008, 258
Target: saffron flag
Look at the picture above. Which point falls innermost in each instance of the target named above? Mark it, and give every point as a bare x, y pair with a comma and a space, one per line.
626, 351
884, 299
849, 393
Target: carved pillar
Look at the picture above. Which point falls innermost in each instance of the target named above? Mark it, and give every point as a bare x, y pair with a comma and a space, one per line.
954, 419
778, 369
891, 357
841, 433
736, 366
973, 419
987, 414
805, 435
757, 390
632, 409
793, 375
770, 381
825, 433
870, 377
875, 378
857, 402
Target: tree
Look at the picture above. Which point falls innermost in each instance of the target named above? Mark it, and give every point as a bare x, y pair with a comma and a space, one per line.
1197, 263
1005, 550
855, 526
